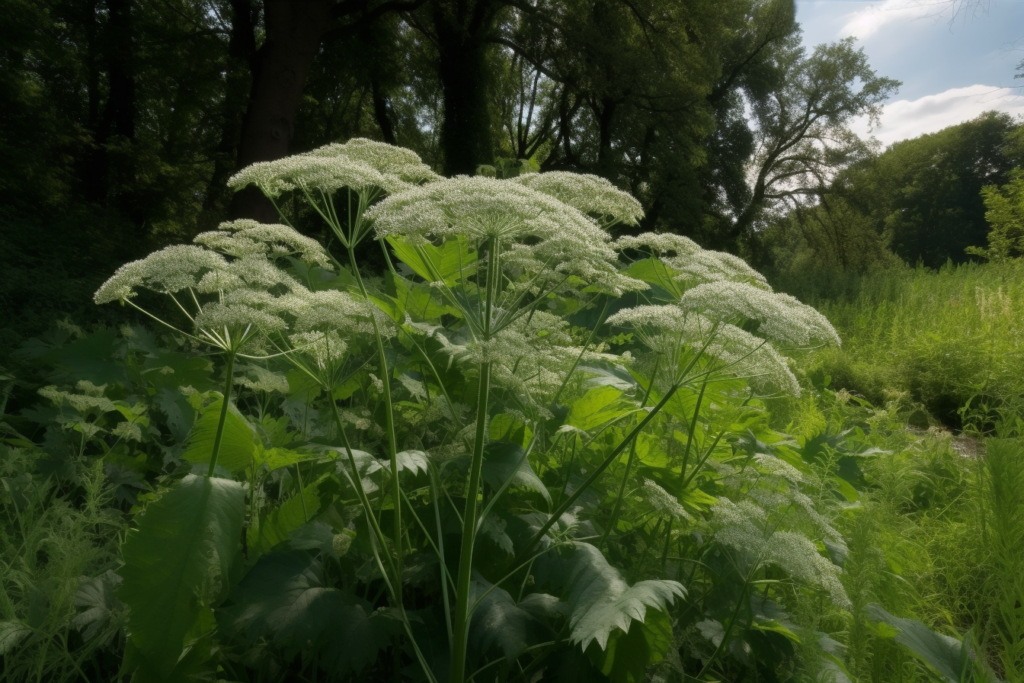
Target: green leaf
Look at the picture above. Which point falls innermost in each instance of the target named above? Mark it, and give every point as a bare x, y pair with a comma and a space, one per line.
628, 655
12, 633
171, 370
101, 615
279, 524
283, 598
498, 623
951, 658
178, 558
508, 460
413, 462
653, 271
277, 458
96, 357
237, 446
450, 262
601, 602
597, 407
417, 299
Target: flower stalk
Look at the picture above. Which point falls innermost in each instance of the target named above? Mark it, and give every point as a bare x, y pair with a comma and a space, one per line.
219, 435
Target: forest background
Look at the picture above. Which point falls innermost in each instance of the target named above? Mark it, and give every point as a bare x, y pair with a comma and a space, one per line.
122, 120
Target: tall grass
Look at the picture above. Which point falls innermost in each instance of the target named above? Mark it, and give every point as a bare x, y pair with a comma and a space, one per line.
1005, 464
948, 338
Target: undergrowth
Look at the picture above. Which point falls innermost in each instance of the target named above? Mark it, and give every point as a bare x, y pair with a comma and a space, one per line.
947, 338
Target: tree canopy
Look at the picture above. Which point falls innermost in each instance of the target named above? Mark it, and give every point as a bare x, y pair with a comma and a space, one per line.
122, 119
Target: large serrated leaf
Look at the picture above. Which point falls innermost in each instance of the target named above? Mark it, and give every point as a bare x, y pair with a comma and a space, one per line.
283, 598
237, 446
504, 461
12, 633
627, 656
498, 623
102, 608
600, 600
179, 556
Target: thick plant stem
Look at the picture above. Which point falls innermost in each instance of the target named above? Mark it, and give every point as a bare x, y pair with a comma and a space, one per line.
462, 615
469, 517
692, 431
629, 466
396, 489
223, 412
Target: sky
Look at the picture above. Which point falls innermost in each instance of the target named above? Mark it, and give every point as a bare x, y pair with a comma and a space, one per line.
954, 65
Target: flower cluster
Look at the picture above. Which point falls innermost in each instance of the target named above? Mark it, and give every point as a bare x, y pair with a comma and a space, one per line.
248, 238
360, 165
663, 502
706, 266
746, 527
167, 271
666, 328
782, 318
540, 234
590, 194
251, 296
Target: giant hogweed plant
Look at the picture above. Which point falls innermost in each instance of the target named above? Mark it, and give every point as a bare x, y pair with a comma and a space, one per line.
437, 473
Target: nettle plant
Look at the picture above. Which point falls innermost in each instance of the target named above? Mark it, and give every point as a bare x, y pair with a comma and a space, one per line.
525, 451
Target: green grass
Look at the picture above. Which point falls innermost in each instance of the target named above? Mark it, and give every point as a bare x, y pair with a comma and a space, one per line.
945, 338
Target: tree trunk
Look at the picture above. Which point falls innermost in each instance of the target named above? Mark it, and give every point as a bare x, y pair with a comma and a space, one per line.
605, 120
116, 119
293, 32
461, 28
380, 112
237, 83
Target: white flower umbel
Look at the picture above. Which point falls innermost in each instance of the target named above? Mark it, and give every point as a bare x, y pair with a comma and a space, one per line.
714, 266
367, 169
782, 318
246, 237
745, 355
331, 310
590, 194
543, 242
746, 527
167, 271
658, 244
326, 350
389, 160
668, 328
313, 174
663, 502
250, 273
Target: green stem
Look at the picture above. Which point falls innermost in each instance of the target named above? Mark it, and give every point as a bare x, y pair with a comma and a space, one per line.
462, 611
693, 429
629, 465
560, 510
228, 383
396, 489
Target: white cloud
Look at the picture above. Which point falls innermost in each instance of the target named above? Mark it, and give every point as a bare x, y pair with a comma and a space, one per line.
865, 22
905, 119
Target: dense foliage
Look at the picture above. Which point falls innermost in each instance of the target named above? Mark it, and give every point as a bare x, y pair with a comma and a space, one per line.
928, 200
434, 471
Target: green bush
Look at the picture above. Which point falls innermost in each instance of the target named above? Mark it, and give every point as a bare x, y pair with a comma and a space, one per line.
946, 338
